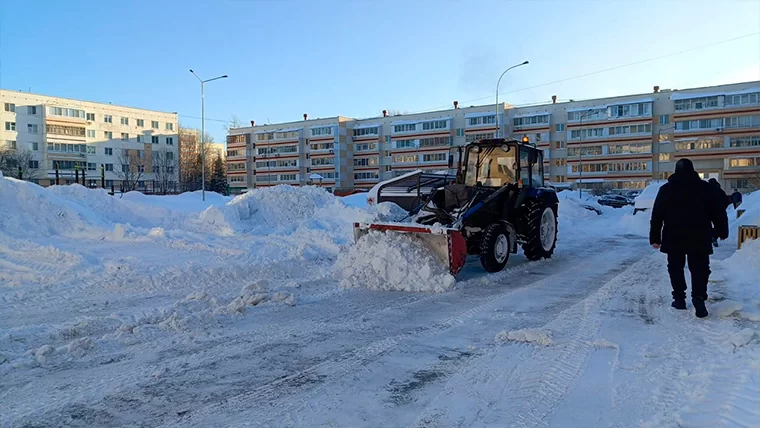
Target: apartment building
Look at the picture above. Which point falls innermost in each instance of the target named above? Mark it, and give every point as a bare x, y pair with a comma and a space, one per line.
618, 142
135, 148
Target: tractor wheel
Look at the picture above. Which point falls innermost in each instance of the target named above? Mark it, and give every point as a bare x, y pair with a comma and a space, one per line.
541, 235
494, 248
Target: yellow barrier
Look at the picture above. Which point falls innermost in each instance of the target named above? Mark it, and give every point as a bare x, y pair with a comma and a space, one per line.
748, 232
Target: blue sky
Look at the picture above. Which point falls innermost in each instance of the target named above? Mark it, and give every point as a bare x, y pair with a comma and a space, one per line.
356, 58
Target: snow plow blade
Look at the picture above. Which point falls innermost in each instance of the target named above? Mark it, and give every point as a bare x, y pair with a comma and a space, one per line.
448, 244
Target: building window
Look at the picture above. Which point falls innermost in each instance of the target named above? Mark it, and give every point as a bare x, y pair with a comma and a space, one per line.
365, 131
169, 126
531, 120
587, 151
141, 168
559, 127
742, 122
277, 150
630, 129
34, 146
686, 125
587, 115
366, 175
365, 147
125, 121
10, 107
664, 119
90, 150
10, 126
109, 151
576, 134
482, 120
665, 157
434, 157
90, 133
154, 124
170, 141
91, 117
742, 162
32, 110
124, 136
154, 139
704, 143
696, 103
404, 159
33, 164
10, 144
91, 166
31, 128
629, 110
288, 177
460, 132
406, 127
404, 144
742, 99
434, 142
107, 118
559, 144
365, 162
140, 123
323, 161
109, 167
471, 138
617, 149
324, 130
436, 124
67, 112
139, 138
747, 141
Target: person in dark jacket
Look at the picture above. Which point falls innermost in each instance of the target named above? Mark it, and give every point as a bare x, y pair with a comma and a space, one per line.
683, 216
723, 200
736, 198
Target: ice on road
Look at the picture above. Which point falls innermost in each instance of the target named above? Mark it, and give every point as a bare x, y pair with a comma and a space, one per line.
167, 311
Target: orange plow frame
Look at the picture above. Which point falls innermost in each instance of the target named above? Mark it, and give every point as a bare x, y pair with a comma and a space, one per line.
448, 244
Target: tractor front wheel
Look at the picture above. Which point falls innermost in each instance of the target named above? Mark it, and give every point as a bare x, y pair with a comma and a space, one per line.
541, 235
494, 248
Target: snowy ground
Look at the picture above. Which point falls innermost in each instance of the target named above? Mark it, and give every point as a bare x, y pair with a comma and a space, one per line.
167, 311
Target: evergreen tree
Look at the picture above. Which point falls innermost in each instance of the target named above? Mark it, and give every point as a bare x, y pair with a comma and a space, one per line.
218, 181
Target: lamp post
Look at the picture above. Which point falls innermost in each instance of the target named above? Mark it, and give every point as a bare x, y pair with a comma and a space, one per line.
203, 131
580, 153
498, 127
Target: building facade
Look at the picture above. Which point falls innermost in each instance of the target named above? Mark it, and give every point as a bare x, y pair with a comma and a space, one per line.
619, 142
135, 148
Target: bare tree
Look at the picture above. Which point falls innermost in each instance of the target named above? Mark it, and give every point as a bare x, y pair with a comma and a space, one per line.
165, 166
18, 164
131, 168
234, 122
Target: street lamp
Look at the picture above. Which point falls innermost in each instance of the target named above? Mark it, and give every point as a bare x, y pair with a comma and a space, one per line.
580, 153
203, 131
498, 127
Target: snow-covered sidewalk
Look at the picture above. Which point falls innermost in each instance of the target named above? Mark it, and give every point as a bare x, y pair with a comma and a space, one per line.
167, 311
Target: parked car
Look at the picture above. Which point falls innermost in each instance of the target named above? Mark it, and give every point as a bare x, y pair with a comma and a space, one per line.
615, 201
645, 200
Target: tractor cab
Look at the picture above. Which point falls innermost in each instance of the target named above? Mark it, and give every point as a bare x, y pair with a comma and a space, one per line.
494, 163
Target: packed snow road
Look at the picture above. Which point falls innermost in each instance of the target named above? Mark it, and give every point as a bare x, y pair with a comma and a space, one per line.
124, 312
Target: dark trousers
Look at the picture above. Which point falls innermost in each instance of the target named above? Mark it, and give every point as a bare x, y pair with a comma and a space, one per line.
699, 266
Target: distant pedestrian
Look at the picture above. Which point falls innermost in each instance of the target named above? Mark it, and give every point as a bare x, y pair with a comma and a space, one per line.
736, 198
723, 202
685, 211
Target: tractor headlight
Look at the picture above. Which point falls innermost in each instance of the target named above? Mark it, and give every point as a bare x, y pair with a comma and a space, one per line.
506, 148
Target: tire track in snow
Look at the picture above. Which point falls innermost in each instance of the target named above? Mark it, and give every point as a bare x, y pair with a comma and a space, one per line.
330, 371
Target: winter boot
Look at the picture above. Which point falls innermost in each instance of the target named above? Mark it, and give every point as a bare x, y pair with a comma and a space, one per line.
679, 304
699, 307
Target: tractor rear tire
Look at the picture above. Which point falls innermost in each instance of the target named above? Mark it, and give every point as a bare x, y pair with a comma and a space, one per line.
495, 248
541, 234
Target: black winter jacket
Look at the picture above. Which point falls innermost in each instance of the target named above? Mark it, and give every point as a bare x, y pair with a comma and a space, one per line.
685, 211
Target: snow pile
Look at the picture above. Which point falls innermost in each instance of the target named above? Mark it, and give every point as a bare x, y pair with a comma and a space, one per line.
392, 261
740, 273
538, 336
751, 216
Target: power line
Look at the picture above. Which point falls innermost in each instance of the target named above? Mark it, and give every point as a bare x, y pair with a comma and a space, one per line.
604, 70
196, 117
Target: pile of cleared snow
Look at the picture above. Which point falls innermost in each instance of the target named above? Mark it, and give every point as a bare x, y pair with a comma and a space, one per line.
391, 261
751, 216
739, 273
